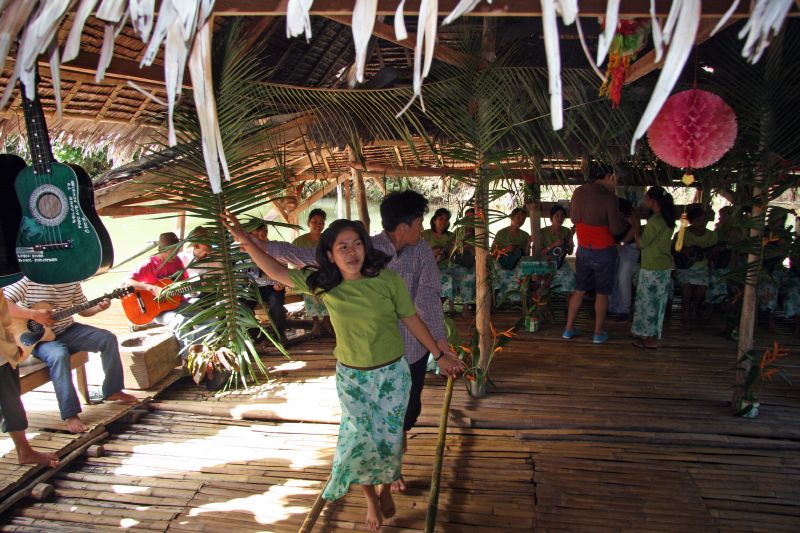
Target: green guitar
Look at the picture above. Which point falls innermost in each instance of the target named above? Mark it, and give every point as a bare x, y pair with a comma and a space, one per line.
61, 238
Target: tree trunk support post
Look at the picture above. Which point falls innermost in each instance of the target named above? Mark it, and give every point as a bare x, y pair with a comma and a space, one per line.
483, 284
361, 190
534, 205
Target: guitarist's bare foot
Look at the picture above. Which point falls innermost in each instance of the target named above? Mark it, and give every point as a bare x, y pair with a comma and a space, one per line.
388, 508
75, 425
32, 457
122, 397
399, 485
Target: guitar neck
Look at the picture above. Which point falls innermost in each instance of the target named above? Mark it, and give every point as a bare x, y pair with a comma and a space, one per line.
64, 313
183, 290
38, 138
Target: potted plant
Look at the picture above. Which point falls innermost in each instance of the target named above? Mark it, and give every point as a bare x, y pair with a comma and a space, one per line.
759, 369
476, 378
213, 367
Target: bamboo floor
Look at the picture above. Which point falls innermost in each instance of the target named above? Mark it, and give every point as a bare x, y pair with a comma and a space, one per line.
573, 437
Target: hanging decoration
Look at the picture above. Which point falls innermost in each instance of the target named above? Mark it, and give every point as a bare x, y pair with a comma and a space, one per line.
629, 39
694, 129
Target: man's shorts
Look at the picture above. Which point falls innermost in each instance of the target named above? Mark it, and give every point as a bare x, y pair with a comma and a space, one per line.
595, 270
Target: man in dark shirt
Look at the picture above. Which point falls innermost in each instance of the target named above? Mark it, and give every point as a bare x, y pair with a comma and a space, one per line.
594, 211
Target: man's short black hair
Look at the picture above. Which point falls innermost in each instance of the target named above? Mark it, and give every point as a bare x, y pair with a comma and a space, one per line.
402, 208
598, 171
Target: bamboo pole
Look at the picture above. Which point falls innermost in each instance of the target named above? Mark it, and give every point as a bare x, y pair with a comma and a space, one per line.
433, 499
348, 211
361, 197
483, 284
316, 510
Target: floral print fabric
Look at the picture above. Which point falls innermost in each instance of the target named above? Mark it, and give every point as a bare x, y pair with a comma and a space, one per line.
370, 446
651, 302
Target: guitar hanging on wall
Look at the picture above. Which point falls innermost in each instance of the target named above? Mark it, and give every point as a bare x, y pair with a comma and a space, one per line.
10, 214
61, 238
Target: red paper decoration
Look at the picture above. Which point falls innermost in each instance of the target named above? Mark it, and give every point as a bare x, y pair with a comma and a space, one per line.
693, 130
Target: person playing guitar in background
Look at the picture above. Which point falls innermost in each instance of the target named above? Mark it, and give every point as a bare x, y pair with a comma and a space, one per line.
13, 419
161, 266
70, 337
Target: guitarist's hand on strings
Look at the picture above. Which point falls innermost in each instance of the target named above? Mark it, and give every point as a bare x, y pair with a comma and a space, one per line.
43, 316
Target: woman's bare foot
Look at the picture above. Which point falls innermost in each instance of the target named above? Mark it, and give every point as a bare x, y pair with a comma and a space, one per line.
374, 518
75, 425
388, 508
32, 457
399, 485
122, 397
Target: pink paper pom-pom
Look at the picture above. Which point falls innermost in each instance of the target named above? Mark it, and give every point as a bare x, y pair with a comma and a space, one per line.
693, 130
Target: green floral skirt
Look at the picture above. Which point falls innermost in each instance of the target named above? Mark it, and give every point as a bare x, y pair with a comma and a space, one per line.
314, 306
370, 446
651, 302
564, 279
693, 276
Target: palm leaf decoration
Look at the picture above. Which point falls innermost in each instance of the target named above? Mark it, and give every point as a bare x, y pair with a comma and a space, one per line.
220, 319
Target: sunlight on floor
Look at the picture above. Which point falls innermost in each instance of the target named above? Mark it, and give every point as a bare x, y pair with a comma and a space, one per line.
267, 508
232, 445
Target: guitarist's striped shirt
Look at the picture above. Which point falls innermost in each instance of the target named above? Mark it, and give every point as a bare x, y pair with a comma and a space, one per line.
26, 293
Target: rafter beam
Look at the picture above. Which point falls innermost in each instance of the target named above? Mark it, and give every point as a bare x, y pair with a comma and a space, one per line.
386, 32
498, 8
647, 63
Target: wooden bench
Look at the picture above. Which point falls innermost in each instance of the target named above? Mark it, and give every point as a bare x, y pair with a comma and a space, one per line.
34, 373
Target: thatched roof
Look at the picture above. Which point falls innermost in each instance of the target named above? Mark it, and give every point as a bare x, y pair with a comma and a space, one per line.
114, 114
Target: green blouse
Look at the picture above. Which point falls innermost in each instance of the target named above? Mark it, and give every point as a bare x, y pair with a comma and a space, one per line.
548, 237
445, 242
706, 240
656, 244
503, 238
304, 241
364, 314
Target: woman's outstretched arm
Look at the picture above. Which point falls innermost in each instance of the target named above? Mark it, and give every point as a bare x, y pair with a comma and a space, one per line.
265, 262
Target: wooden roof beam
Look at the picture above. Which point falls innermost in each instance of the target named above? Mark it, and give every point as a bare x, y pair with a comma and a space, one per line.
647, 63
499, 8
386, 32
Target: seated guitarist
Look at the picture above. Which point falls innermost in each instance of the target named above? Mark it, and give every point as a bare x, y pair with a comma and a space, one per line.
70, 337
13, 419
159, 267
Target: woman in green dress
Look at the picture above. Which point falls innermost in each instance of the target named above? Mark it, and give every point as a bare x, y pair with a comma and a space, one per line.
373, 380
509, 245
556, 245
441, 240
654, 277
693, 276
314, 307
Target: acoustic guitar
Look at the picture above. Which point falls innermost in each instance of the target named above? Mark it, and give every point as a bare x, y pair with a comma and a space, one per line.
28, 333
61, 238
142, 307
10, 215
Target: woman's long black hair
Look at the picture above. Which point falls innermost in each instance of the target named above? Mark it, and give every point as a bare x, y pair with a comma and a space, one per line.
665, 202
327, 274
437, 214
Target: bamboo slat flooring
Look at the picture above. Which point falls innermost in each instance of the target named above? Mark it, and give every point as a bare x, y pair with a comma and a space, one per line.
575, 437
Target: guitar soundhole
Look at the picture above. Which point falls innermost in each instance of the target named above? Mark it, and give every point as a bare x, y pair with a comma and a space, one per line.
49, 206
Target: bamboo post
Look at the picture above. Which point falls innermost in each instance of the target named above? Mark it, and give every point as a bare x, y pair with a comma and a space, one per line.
181, 225
483, 285
361, 196
534, 210
348, 212
339, 201
316, 510
433, 498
